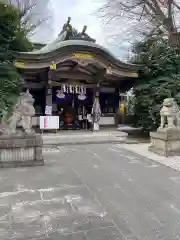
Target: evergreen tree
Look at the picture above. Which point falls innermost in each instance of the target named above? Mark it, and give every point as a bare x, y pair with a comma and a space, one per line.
10, 80
159, 79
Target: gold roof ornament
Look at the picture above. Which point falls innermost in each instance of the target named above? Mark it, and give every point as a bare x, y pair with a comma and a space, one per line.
78, 55
53, 66
19, 64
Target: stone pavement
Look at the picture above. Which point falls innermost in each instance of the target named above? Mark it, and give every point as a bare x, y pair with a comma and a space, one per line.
90, 192
142, 149
83, 137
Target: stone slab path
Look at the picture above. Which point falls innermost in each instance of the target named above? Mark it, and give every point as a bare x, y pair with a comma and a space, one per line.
142, 149
86, 137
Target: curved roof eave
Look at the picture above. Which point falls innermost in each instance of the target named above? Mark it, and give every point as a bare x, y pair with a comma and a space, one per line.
57, 47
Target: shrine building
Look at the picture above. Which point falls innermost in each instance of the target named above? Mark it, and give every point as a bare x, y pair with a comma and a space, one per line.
66, 75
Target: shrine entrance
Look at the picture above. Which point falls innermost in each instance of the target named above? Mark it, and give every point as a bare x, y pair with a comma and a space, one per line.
76, 74
73, 105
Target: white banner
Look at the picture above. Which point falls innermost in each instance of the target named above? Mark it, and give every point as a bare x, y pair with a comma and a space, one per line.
49, 122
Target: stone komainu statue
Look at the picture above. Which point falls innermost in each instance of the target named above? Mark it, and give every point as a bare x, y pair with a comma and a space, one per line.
23, 111
170, 114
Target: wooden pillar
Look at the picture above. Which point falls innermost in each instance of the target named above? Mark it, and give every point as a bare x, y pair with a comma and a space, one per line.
48, 107
96, 90
117, 107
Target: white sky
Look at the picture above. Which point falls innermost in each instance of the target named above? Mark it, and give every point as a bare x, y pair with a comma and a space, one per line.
82, 12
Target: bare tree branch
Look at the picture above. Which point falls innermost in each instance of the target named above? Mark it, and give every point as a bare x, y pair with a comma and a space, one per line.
158, 14
176, 5
30, 18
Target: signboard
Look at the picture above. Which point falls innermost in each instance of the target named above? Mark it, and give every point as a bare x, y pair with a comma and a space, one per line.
49, 122
48, 110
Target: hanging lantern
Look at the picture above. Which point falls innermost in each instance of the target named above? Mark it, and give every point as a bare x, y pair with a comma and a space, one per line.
60, 94
81, 97
81, 92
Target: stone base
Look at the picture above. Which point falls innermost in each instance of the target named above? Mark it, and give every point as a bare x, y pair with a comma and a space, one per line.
21, 151
165, 142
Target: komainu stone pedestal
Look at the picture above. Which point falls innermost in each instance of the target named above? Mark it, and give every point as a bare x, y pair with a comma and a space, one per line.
21, 151
165, 142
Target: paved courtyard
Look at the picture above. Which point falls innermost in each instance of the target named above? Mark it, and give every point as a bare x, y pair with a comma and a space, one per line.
90, 192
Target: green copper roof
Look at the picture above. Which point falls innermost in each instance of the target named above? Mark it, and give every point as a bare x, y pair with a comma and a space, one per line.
59, 46
51, 46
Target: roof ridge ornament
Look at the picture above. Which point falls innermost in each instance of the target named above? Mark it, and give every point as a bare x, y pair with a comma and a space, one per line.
70, 33
67, 31
83, 36
67, 26
84, 29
